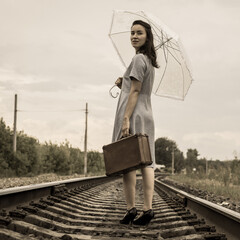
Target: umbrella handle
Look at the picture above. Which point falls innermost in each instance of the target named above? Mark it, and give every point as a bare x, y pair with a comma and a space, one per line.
110, 92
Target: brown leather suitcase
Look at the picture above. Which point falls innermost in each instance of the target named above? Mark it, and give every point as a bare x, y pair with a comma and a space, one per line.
127, 154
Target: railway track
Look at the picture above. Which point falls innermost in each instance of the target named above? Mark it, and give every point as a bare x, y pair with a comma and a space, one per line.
90, 208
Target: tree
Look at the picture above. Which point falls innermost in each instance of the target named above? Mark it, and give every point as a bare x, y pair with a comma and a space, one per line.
27, 147
235, 170
191, 160
3, 166
56, 158
6, 141
77, 160
33, 158
6, 150
163, 154
95, 162
179, 161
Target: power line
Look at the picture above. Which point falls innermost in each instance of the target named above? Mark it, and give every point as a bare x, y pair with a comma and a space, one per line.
49, 111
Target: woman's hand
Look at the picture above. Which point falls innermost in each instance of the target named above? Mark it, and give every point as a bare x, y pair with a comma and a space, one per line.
119, 82
125, 127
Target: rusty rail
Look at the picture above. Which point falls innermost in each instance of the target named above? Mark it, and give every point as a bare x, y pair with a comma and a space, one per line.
90, 208
224, 220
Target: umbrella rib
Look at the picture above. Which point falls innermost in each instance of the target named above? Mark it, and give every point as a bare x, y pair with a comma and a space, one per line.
166, 59
161, 78
165, 56
168, 49
145, 16
163, 71
139, 15
118, 53
158, 46
175, 45
183, 80
112, 22
165, 42
111, 34
153, 24
164, 53
169, 43
173, 48
188, 87
173, 56
150, 22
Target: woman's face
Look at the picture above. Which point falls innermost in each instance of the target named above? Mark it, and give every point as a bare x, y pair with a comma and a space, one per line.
138, 36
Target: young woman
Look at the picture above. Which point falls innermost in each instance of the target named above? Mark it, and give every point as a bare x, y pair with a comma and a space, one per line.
134, 115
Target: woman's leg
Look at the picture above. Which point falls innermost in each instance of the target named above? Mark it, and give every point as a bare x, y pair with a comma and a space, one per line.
129, 186
148, 187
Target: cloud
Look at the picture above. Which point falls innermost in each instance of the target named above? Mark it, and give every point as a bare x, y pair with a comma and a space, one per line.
57, 56
72, 128
230, 136
223, 143
12, 76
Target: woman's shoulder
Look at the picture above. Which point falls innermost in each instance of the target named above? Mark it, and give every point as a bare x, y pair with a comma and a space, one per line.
140, 58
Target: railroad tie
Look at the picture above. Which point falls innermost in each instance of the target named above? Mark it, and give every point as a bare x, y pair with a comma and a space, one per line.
93, 212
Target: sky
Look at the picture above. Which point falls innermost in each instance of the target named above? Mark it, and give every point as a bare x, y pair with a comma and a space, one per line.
56, 56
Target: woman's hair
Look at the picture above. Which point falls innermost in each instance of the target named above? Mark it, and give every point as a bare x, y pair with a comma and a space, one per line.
148, 48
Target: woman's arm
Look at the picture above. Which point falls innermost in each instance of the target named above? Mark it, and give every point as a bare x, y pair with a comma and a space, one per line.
132, 101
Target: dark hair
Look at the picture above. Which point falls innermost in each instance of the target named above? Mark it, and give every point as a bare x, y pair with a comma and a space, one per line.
148, 48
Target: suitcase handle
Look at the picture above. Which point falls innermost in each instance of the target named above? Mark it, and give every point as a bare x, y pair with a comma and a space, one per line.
135, 135
126, 136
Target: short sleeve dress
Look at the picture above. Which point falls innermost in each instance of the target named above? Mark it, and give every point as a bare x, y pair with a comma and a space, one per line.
141, 120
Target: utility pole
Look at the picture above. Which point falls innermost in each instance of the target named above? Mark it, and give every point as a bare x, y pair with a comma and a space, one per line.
206, 167
85, 141
172, 161
15, 126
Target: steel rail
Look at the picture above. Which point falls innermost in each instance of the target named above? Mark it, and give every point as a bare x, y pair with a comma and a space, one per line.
225, 220
11, 197
90, 208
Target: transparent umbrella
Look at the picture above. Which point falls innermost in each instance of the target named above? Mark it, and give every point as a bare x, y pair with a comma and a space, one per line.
173, 78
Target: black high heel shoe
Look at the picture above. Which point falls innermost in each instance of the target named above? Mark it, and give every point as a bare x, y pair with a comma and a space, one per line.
144, 218
129, 216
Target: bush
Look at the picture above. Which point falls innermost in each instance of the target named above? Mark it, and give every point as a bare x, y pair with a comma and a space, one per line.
95, 163
33, 158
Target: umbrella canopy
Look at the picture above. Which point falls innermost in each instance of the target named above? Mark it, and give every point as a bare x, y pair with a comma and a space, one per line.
173, 78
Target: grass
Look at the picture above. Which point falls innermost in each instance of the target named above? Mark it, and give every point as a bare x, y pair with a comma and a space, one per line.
48, 177
212, 186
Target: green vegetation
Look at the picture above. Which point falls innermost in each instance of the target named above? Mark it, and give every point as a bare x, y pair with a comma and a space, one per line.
210, 185
219, 177
33, 158
163, 153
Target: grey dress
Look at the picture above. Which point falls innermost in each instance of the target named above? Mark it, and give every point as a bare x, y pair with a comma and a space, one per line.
141, 120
